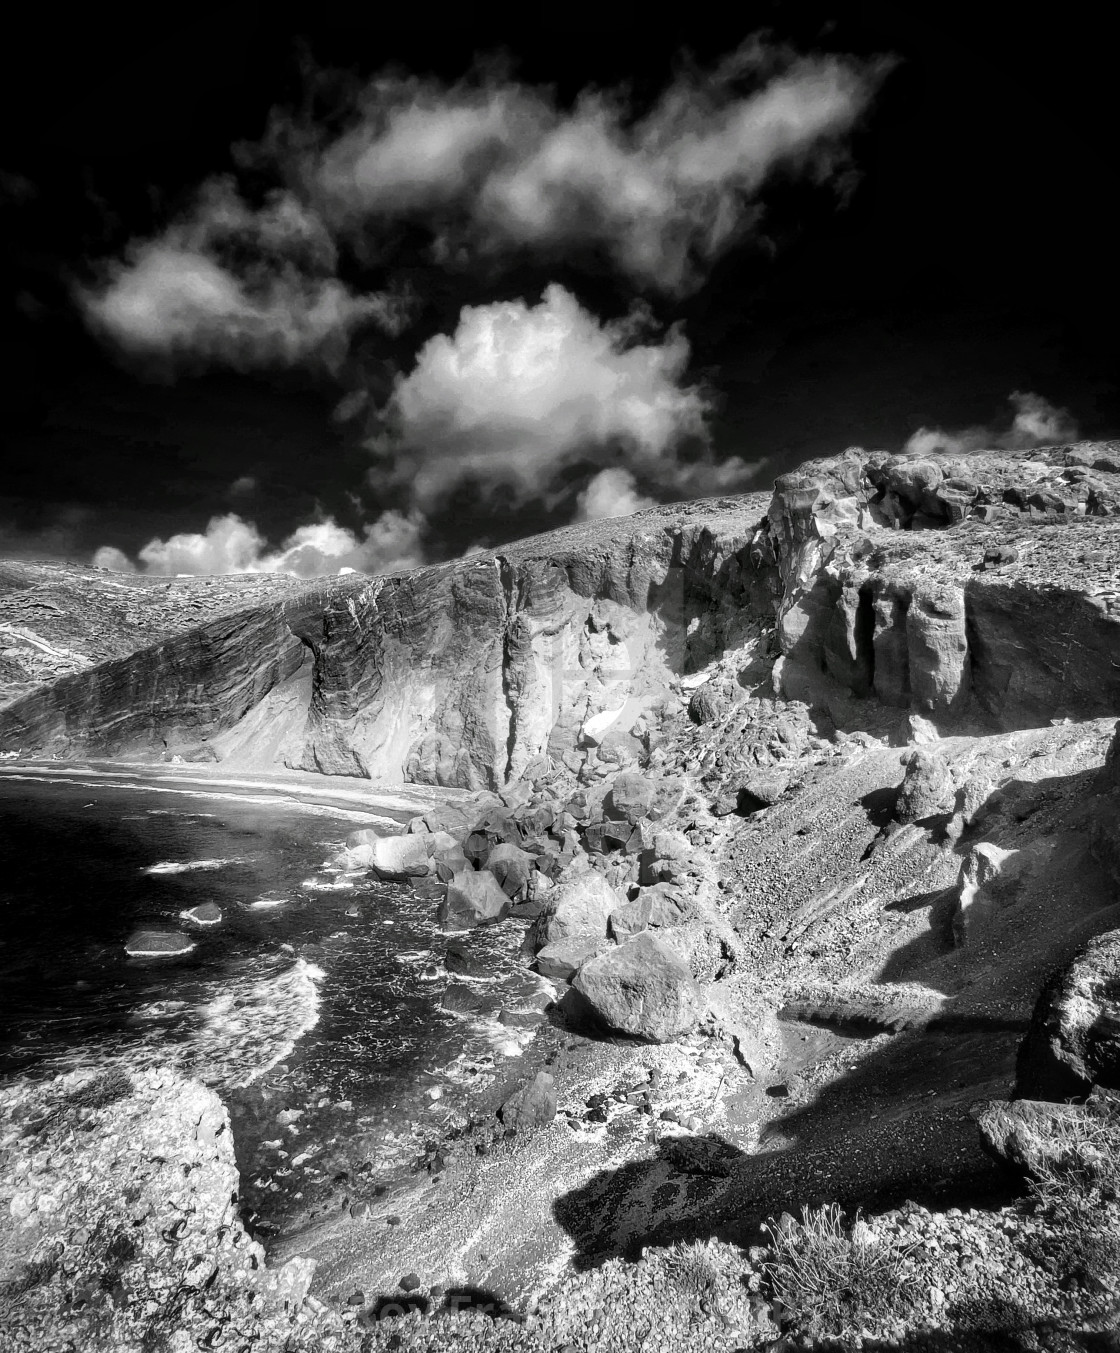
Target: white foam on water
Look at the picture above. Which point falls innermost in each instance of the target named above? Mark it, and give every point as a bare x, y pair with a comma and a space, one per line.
339, 885
251, 1027
264, 902
184, 866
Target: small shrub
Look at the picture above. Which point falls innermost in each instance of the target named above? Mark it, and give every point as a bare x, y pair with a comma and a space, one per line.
100, 1090
834, 1283
691, 1268
1077, 1188
1083, 1160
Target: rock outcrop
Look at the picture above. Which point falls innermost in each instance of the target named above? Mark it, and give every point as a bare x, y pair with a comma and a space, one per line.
122, 1227
460, 675
972, 586
1074, 1040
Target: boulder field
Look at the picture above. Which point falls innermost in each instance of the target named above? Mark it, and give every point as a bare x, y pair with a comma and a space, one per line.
806, 807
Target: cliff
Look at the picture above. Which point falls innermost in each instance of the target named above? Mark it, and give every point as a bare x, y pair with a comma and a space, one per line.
976, 592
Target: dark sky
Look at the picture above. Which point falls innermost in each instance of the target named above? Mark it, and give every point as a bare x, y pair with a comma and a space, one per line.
975, 255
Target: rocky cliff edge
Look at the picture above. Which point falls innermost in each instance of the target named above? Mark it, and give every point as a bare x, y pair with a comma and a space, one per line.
976, 592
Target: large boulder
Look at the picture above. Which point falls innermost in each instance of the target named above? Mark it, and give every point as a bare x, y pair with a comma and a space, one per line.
511, 866
1073, 1042
472, 898
641, 988
580, 906
927, 787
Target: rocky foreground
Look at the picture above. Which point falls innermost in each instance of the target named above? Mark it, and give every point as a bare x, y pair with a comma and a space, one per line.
807, 808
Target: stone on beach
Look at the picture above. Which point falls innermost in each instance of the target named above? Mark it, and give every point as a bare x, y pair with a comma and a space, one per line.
532, 1107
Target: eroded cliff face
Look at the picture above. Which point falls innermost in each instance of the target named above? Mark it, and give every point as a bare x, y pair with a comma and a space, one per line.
977, 592
969, 590
460, 675
468, 673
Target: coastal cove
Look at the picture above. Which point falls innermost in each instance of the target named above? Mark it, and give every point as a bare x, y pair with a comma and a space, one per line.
318, 996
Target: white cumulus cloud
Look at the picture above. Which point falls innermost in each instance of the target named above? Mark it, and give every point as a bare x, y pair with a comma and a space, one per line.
520, 391
611, 493
389, 544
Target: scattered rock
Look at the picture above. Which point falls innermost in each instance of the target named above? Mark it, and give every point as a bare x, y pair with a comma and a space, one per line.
459, 961
632, 917
512, 867
701, 1155
532, 1107
632, 797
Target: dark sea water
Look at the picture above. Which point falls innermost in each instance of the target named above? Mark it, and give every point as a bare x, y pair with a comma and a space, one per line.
318, 988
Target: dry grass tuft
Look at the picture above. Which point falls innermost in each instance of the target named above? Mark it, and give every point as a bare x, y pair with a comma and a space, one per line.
837, 1283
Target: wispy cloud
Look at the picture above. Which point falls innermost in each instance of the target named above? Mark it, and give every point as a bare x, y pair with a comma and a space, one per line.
490, 165
231, 545
1036, 422
234, 285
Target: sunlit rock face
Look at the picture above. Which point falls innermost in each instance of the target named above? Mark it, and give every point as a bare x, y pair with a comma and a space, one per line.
958, 588
456, 675
968, 591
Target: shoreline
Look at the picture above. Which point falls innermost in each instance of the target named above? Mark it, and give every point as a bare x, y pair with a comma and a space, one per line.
350, 796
